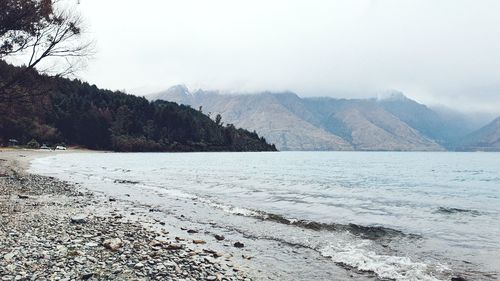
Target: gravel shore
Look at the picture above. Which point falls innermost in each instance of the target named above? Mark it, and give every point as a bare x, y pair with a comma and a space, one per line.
53, 230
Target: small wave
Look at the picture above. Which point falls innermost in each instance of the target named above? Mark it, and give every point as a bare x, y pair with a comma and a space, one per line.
365, 232
384, 266
349, 254
229, 209
449, 210
357, 257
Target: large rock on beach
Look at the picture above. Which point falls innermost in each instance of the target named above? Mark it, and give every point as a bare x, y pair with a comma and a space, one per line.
112, 244
79, 219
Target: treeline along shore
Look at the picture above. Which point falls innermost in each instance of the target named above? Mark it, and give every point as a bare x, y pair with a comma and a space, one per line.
55, 110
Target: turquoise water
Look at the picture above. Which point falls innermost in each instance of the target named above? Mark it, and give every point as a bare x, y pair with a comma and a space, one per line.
405, 216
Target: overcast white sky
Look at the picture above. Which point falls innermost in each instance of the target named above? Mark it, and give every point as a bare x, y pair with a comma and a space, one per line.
435, 51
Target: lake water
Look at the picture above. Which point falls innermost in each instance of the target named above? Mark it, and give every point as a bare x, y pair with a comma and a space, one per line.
318, 215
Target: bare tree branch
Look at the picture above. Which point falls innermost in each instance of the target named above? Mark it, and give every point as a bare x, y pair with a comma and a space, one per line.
47, 34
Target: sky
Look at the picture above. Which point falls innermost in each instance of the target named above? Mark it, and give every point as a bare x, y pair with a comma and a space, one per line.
434, 51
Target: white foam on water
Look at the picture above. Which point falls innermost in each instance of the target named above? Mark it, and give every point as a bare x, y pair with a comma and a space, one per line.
385, 266
41, 164
175, 193
184, 195
229, 209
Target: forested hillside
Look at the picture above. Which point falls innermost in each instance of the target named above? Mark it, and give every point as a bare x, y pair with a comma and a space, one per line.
58, 110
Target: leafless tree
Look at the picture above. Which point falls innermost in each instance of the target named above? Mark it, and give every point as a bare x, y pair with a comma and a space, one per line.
39, 31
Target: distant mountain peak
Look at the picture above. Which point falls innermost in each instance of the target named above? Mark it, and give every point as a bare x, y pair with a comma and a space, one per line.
179, 89
392, 96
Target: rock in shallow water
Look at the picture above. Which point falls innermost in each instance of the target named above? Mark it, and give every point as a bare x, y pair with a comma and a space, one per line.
219, 237
239, 245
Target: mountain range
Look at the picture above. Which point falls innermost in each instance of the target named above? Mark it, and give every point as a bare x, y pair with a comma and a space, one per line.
393, 123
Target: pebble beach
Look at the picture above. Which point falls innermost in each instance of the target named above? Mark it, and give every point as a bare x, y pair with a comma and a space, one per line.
54, 230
